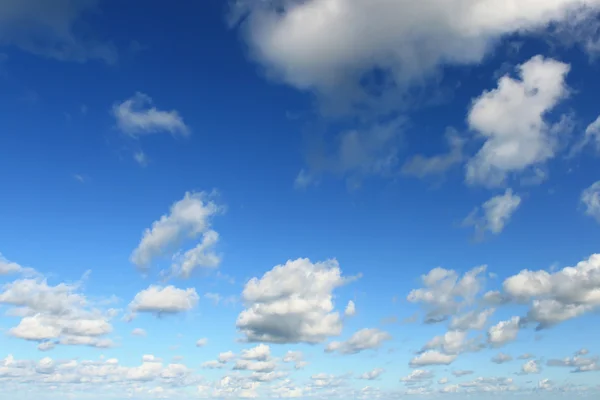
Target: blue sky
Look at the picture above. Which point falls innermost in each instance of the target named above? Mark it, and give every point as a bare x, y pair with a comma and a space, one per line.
307, 199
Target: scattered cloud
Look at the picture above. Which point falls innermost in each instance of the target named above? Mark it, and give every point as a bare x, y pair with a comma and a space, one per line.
137, 116
501, 358
472, 320
494, 214
432, 357
373, 374
141, 158
365, 339
292, 303
201, 342
350, 309
530, 367
504, 332
138, 332
417, 375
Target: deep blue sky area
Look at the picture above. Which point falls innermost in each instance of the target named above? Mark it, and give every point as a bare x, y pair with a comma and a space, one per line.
280, 199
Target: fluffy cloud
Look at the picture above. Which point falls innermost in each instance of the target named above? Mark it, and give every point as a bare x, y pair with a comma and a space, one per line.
55, 314
137, 116
417, 375
504, 332
530, 367
201, 342
164, 300
373, 374
292, 303
577, 363
10, 268
364, 339
452, 342
511, 120
327, 46
261, 352
432, 357
47, 30
138, 332
590, 198
350, 309
188, 218
494, 213
444, 293
558, 296
296, 357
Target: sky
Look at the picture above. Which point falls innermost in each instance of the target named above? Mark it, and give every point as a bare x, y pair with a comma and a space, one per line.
312, 199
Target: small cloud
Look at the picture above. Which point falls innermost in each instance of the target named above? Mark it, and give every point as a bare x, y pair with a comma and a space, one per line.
141, 158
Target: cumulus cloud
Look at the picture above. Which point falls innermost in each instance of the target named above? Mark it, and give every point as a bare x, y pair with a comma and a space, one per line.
590, 198
365, 339
432, 357
350, 309
49, 30
187, 218
530, 367
261, 352
558, 296
494, 214
164, 300
445, 294
504, 332
11, 268
201, 342
328, 46
55, 314
137, 116
512, 121
292, 303
453, 342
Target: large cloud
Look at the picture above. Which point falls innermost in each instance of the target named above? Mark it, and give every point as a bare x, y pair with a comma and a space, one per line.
188, 218
330, 46
512, 121
292, 303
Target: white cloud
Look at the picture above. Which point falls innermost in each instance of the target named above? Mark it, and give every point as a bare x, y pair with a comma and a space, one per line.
10, 268
471, 320
187, 218
418, 375
137, 116
141, 158
350, 309
444, 293
292, 303
558, 296
504, 332
578, 363
373, 374
591, 136
422, 166
530, 367
494, 213
590, 198
164, 300
261, 352
512, 120
48, 30
545, 384
138, 332
432, 357
226, 357
328, 46
452, 342
201, 342
365, 339
55, 314
501, 358
459, 373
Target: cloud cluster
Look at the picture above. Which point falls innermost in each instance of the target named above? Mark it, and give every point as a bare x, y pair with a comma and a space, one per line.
364, 339
292, 303
58, 314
